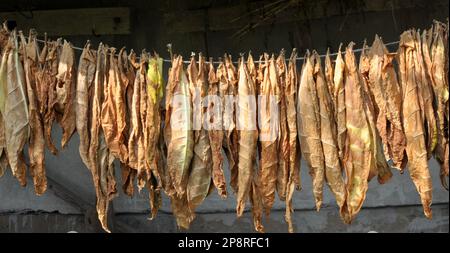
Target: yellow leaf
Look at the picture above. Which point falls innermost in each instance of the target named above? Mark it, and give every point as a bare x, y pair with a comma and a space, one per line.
154, 73
3, 83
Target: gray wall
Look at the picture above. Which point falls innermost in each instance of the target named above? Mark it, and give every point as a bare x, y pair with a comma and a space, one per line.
393, 207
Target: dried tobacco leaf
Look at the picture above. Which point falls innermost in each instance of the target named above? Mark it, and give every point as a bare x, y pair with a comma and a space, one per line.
226, 94
101, 160
283, 145
333, 169
438, 70
135, 123
230, 121
181, 142
425, 96
358, 158
269, 133
255, 195
248, 135
201, 167
3, 157
4, 78
64, 92
215, 131
16, 114
383, 82
155, 94
113, 110
339, 103
46, 88
143, 171
36, 145
294, 166
85, 79
379, 166
3, 94
329, 77
308, 127
128, 70
412, 123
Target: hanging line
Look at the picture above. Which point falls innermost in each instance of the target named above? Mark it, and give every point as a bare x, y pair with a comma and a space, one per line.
258, 61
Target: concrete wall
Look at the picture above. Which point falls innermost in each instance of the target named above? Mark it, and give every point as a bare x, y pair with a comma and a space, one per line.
400, 219
393, 207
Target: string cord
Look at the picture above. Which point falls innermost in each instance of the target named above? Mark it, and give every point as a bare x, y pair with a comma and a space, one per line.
258, 61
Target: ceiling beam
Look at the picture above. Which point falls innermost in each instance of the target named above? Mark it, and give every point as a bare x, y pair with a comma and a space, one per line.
88, 209
220, 18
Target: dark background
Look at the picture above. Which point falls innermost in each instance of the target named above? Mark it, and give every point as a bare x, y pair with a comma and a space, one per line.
209, 26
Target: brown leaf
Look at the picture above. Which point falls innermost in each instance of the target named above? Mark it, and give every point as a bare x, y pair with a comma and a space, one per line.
46, 89
3, 157
85, 79
294, 165
283, 145
339, 103
201, 167
269, 133
308, 123
16, 114
230, 121
246, 123
181, 141
214, 119
65, 92
333, 170
113, 111
101, 161
36, 145
438, 70
412, 122
227, 121
358, 158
